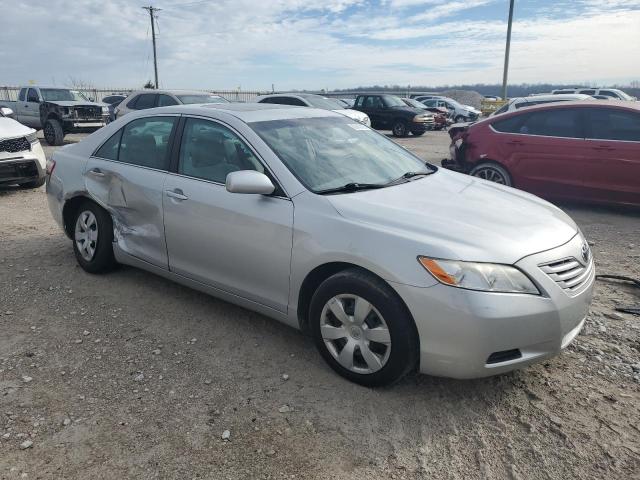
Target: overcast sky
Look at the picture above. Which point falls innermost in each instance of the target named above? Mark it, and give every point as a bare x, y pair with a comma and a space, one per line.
313, 44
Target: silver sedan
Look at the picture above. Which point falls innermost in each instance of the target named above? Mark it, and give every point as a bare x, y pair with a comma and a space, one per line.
304, 215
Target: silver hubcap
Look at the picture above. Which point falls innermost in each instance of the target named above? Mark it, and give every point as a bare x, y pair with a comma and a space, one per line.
490, 174
355, 334
86, 234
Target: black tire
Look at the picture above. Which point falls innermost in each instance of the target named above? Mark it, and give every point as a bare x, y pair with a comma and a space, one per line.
492, 172
53, 133
418, 134
102, 260
404, 352
34, 184
399, 128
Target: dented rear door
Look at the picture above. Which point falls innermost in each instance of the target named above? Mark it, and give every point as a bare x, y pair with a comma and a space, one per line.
130, 185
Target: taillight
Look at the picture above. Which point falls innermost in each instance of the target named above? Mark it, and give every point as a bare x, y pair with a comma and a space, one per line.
51, 164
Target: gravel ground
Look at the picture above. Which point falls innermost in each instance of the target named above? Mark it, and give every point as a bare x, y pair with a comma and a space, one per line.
128, 375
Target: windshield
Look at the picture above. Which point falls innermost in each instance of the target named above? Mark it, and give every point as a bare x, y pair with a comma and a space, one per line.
62, 95
392, 101
190, 99
330, 152
324, 103
414, 103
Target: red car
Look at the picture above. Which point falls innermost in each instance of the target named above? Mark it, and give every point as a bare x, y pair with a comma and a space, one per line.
586, 151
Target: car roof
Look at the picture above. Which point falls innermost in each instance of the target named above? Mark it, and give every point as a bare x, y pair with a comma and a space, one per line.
247, 112
557, 96
174, 92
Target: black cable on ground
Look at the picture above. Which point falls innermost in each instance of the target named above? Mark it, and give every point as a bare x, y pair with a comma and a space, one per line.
631, 310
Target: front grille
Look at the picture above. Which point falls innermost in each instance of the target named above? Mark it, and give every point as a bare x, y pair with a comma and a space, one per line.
87, 112
16, 170
15, 145
570, 274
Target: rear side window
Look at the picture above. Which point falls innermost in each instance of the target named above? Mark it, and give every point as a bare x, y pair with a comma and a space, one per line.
145, 142
359, 102
144, 101
553, 123
608, 93
109, 149
613, 124
288, 101
23, 94
166, 100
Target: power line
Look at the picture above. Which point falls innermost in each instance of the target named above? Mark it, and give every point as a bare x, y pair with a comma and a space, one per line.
153, 18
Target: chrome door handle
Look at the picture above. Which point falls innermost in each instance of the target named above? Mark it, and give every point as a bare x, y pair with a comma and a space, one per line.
177, 194
96, 172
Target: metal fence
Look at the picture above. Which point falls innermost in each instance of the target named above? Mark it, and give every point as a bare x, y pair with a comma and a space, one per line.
97, 94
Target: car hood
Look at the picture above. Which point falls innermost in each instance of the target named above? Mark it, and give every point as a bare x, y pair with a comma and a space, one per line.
355, 114
72, 103
460, 217
9, 128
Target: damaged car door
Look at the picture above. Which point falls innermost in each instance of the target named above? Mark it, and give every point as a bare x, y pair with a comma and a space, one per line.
126, 176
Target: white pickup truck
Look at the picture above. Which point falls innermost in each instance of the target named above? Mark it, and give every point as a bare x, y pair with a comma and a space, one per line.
57, 111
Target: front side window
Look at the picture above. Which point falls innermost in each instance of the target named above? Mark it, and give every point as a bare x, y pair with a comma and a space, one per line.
211, 151
32, 96
145, 142
373, 102
614, 124
328, 152
393, 101
553, 123
359, 102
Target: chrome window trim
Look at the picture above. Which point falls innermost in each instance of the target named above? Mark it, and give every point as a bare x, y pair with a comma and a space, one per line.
532, 135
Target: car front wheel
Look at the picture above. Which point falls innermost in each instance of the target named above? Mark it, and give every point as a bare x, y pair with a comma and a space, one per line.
363, 329
92, 238
53, 133
492, 172
399, 129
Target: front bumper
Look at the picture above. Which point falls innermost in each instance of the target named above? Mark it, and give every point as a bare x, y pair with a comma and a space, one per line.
470, 334
22, 167
84, 124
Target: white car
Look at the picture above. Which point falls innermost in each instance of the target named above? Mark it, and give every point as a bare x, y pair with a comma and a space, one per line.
522, 102
22, 160
315, 101
612, 93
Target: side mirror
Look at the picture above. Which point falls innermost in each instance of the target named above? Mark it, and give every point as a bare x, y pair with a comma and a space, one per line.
7, 112
249, 181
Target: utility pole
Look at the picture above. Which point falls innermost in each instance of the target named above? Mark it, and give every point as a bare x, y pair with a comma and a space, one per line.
153, 37
506, 53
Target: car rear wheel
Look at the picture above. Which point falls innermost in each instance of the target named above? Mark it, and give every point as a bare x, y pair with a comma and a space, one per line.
362, 329
399, 129
492, 172
92, 238
53, 133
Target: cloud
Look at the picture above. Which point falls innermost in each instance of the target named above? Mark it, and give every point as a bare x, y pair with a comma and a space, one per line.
316, 43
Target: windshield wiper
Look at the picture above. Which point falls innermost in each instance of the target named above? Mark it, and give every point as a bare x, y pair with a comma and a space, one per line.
406, 176
352, 187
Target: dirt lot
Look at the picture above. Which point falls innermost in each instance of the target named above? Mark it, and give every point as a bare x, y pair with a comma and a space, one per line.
131, 376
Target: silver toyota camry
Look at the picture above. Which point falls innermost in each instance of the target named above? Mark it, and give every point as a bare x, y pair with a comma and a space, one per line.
391, 264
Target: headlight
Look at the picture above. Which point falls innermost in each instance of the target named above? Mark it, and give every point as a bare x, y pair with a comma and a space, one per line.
420, 118
366, 121
487, 277
32, 137
105, 109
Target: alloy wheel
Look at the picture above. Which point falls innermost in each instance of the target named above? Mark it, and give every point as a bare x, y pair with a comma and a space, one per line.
86, 234
491, 174
355, 334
